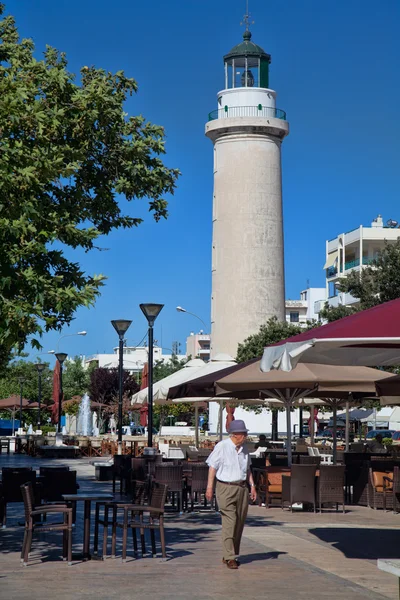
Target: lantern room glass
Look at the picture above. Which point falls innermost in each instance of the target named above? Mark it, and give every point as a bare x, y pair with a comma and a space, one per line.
242, 71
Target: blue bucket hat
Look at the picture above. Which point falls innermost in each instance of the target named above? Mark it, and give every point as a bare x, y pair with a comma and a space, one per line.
238, 426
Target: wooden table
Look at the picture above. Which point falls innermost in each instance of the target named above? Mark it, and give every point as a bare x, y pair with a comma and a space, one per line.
87, 499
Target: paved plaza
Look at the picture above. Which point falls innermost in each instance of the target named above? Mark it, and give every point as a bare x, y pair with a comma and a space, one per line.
284, 555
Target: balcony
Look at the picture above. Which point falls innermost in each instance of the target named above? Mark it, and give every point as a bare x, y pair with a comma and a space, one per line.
352, 264
331, 272
247, 111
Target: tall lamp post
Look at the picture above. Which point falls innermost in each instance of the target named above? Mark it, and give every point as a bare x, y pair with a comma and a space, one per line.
60, 356
68, 335
39, 368
151, 312
21, 381
121, 327
183, 310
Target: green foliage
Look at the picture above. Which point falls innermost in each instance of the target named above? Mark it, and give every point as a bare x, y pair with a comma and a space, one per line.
76, 379
333, 313
387, 442
271, 332
9, 381
68, 152
379, 282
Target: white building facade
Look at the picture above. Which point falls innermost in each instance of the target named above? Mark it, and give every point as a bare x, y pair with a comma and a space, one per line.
353, 251
299, 312
134, 358
247, 247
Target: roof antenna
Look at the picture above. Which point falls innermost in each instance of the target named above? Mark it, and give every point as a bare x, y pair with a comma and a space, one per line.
247, 17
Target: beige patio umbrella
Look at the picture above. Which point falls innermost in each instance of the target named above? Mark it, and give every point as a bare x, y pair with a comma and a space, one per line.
332, 383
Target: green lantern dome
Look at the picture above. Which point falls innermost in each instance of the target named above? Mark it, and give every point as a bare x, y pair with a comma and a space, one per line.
247, 65
247, 48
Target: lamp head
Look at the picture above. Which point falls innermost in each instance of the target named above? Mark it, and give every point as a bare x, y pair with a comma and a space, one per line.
151, 311
40, 367
21, 379
121, 326
180, 309
81, 333
50, 352
61, 356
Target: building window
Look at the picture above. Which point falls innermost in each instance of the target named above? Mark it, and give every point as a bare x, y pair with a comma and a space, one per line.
333, 292
294, 317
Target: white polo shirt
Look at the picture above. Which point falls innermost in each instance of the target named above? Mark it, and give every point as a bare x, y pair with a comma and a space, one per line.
229, 463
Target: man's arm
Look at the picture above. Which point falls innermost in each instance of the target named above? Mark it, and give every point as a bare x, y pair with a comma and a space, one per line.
253, 493
210, 483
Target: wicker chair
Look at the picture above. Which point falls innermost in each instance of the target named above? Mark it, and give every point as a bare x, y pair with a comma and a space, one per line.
197, 482
331, 486
134, 519
12, 479
300, 486
121, 467
268, 482
32, 511
171, 476
380, 489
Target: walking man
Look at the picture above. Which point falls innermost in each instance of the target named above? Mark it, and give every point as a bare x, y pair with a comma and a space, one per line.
229, 463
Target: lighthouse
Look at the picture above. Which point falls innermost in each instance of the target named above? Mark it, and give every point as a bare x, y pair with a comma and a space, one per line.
247, 130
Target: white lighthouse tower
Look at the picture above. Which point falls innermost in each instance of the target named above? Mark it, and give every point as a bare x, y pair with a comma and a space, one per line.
247, 248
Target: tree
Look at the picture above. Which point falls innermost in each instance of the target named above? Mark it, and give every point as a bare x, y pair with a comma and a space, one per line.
253, 347
378, 282
104, 388
68, 153
76, 379
333, 313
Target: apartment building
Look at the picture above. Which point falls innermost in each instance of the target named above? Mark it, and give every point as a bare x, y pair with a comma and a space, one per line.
353, 251
198, 345
300, 311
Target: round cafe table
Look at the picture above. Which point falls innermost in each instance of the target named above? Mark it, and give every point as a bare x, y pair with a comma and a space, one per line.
87, 499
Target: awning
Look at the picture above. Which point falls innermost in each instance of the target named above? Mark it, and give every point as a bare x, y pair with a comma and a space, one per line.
332, 258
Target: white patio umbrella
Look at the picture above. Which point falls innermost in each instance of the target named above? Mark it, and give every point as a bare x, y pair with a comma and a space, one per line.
191, 370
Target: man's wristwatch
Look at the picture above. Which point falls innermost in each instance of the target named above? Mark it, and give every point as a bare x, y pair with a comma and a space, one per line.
252, 485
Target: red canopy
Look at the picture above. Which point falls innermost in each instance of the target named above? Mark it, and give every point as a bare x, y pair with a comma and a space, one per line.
56, 392
230, 412
367, 338
144, 409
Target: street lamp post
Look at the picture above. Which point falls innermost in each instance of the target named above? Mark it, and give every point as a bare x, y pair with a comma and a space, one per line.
39, 368
67, 335
183, 310
21, 385
60, 356
151, 312
121, 326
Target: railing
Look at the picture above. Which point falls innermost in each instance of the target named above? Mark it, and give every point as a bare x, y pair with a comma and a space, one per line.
356, 263
247, 111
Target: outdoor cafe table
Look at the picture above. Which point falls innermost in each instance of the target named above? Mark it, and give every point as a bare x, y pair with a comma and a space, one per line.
87, 499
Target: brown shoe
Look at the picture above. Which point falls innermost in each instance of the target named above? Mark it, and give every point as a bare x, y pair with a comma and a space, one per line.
231, 564
236, 561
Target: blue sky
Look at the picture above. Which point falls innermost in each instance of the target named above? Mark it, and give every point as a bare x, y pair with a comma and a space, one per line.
335, 69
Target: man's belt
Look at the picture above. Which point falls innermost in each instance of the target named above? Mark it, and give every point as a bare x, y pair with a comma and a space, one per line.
238, 483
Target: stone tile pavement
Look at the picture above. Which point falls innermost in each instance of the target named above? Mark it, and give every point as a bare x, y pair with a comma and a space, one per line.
284, 555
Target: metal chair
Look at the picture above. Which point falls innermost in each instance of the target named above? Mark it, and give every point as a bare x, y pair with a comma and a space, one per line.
300, 486
12, 479
171, 476
32, 511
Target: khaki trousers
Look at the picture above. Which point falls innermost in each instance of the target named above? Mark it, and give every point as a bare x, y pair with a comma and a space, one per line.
233, 502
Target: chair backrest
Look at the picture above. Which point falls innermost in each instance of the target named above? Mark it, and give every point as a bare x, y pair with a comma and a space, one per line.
199, 477
171, 475
302, 485
57, 483
26, 491
12, 481
158, 494
140, 491
310, 460
138, 469
332, 474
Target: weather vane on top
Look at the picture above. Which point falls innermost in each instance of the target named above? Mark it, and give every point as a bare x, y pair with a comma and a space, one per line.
247, 17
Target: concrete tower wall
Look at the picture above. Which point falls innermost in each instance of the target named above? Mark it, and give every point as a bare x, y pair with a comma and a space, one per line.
247, 249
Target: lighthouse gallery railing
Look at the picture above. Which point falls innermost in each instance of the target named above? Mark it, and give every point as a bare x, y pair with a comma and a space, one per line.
247, 111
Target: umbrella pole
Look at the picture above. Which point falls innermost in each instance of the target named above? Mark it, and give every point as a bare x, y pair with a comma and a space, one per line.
334, 432
312, 424
288, 435
196, 420
347, 426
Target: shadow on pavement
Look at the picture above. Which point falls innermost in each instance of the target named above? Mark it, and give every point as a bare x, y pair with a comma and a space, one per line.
249, 558
361, 543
